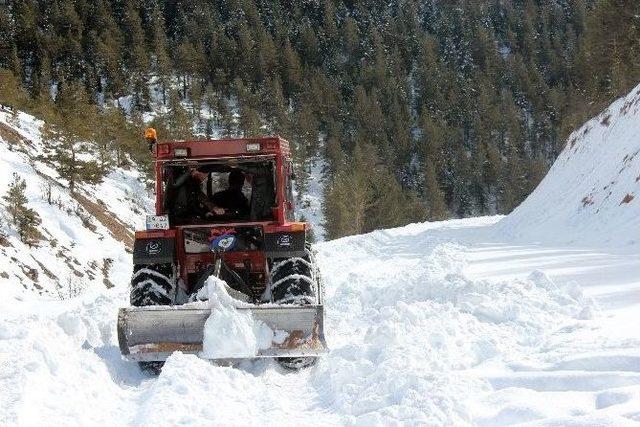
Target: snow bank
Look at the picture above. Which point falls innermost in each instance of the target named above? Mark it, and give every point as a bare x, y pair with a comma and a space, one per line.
591, 195
403, 329
60, 358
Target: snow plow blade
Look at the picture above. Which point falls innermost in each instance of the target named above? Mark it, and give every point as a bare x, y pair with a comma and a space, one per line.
153, 333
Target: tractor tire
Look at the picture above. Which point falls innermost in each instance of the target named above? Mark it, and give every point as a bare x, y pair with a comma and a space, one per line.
152, 285
296, 363
295, 281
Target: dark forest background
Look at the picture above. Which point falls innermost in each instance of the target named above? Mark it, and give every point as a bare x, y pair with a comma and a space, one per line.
420, 109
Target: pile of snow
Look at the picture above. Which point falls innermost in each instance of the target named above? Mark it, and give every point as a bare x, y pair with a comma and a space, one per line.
229, 332
405, 323
592, 192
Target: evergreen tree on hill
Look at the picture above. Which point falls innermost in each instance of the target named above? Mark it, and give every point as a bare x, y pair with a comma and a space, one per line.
25, 219
70, 133
464, 103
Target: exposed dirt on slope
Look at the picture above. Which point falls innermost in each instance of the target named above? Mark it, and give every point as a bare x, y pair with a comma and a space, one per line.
118, 230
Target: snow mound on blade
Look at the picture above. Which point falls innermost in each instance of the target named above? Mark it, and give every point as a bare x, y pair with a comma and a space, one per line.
229, 332
402, 329
592, 192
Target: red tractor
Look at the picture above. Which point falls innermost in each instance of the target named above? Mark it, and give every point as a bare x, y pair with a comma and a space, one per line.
224, 208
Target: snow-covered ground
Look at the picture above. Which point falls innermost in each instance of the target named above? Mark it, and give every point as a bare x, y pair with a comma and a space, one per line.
484, 321
437, 323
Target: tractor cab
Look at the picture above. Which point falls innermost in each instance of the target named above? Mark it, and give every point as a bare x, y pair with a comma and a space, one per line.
216, 191
264, 163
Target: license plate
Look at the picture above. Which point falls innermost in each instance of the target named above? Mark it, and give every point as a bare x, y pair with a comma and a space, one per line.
157, 222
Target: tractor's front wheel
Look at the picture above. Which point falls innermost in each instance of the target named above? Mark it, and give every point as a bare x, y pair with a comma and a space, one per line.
152, 285
295, 281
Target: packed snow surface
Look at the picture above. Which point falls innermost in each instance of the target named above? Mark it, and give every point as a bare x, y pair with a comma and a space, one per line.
435, 323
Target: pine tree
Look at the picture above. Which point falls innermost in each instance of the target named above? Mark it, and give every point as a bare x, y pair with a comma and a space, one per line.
136, 56
11, 92
436, 204
179, 122
160, 46
290, 70
110, 140
249, 121
69, 133
275, 107
25, 219
225, 119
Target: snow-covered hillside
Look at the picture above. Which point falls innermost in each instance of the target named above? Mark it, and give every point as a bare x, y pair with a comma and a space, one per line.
85, 235
592, 192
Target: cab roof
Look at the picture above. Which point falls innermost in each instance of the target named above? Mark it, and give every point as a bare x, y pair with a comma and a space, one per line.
234, 147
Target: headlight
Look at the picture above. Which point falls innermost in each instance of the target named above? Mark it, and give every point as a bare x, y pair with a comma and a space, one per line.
253, 146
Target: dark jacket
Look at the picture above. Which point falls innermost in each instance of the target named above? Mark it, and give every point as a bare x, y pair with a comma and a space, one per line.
233, 200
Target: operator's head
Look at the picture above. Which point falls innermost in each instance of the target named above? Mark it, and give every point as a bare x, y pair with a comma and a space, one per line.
198, 174
236, 179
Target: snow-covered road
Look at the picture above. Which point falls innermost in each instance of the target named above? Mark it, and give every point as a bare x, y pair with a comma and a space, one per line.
429, 324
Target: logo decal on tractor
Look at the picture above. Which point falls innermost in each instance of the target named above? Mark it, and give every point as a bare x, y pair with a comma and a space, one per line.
154, 247
284, 240
223, 243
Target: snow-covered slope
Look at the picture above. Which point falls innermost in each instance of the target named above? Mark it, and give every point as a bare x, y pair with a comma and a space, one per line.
84, 235
592, 192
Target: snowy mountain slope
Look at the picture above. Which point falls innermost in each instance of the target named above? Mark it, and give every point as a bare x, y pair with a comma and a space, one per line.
84, 234
592, 192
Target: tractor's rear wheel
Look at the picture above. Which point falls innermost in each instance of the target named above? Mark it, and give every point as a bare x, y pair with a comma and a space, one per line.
152, 285
294, 281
